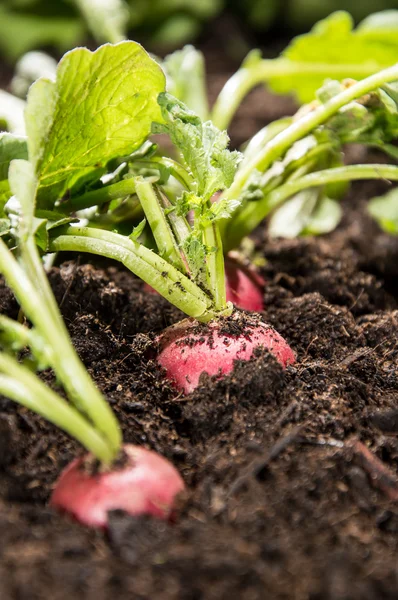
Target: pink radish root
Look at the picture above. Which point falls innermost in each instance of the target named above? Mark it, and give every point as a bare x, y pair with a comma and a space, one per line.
189, 348
146, 484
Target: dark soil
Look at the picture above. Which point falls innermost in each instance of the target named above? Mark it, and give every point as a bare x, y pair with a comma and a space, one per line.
292, 475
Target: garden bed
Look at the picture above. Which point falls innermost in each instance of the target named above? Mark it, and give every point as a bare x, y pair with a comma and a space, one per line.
285, 500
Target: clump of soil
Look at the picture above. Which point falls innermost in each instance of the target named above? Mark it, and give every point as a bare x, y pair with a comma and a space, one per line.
292, 474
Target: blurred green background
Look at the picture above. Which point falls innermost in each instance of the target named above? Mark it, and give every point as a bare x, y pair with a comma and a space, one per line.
161, 24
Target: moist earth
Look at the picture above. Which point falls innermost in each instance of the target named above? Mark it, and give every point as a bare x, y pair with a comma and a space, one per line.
292, 475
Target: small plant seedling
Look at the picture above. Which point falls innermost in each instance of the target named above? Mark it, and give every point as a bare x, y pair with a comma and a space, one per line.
113, 475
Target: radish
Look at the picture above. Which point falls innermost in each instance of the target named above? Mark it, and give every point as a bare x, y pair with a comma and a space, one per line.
244, 286
145, 484
189, 348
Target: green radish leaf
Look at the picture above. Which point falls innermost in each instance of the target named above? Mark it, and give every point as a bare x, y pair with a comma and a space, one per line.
222, 209
371, 120
309, 212
202, 145
334, 48
294, 215
39, 114
385, 210
100, 107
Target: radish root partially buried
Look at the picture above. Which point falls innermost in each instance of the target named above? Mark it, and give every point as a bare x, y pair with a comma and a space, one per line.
144, 483
189, 348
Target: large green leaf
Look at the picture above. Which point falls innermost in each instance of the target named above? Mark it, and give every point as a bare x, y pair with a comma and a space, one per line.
334, 49
100, 107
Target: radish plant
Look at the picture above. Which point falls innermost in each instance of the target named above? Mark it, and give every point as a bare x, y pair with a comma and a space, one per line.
113, 475
77, 127
91, 154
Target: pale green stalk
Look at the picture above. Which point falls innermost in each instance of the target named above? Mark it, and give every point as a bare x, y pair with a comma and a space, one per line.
215, 266
23, 337
303, 126
22, 386
237, 228
254, 213
248, 77
157, 220
148, 266
121, 189
64, 359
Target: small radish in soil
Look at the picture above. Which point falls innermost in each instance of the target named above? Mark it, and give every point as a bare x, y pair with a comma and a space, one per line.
189, 348
244, 286
145, 483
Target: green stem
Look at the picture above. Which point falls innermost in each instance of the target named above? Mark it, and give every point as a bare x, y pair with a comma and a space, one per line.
248, 77
19, 337
254, 213
286, 138
33, 265
22, 386
159, 225
178, 223
177, 170
121, 189
215, 266
328, 176
64, 360
144, 263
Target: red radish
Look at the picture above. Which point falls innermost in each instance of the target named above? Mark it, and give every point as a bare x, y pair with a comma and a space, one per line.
189, 348
244, 286
146, 484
